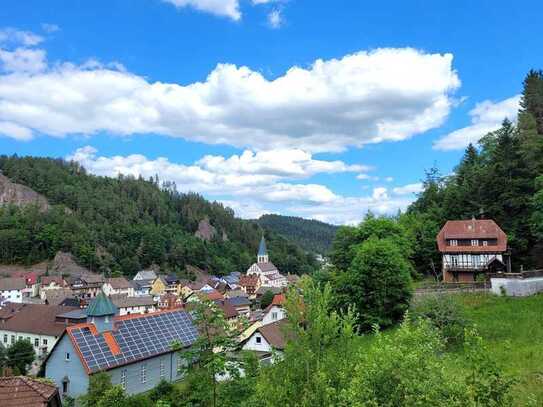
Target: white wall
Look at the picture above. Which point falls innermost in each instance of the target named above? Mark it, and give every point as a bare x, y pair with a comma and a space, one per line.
252, 343
514, 287
469, 260
51, 340
142, 309
268, 317
12, 295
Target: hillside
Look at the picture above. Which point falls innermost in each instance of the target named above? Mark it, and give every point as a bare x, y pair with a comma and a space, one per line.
125, 224
311, 235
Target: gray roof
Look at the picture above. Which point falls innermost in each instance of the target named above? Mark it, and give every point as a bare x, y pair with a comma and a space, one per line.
12, 283
145, 275
239, 301
122, 301
269, 266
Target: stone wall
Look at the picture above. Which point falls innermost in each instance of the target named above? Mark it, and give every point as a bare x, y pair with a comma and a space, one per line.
516, 287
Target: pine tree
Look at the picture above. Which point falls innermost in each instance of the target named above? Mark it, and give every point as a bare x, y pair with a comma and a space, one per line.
532, 97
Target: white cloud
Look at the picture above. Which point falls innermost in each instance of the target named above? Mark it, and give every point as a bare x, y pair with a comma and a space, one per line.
367, 177
225, 8
487, 116
251, 190
15, 131
366, 97
18, 37
409, 189
22, 60
50, 28
275, 18
389, 179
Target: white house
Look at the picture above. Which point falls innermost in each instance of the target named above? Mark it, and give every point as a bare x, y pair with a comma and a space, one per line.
267, 272
118, 285
145, 275
265, 340
275, 311
134, 305
11, 289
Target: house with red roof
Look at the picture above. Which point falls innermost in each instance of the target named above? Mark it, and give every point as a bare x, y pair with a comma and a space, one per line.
470, 248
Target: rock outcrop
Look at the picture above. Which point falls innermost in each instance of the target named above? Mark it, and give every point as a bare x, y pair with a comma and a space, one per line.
205, 231
20, 195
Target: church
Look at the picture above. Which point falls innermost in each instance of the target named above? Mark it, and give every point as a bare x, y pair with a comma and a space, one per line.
267, 272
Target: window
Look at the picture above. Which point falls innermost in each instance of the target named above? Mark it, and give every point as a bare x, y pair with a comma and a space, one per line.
36, 342
64, 386
454, 260
67, 355
5, 338
143, 376
485, 242
258, 339
162, 372
45, 342
274, 315
28, 339
123, 379
453, 242
474, 242
12, 339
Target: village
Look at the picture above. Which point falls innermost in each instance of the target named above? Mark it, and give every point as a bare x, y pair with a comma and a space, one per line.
82, 323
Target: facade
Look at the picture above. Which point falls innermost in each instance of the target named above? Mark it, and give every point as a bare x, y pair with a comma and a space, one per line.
159, 286
265, 340
275, 311
11, 289
142, 287
145, 275
50, 283
134, 305
268, 274
250, 284
119, 286
470, 248
87, 285
134, 350
40, 324
23, 391
241, 304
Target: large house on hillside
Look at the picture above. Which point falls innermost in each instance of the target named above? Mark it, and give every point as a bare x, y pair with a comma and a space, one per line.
472, 247
267, 272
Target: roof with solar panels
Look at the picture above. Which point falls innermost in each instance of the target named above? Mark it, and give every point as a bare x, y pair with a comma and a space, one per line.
133, 338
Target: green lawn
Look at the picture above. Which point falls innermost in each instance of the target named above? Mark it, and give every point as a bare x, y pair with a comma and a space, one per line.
513, 330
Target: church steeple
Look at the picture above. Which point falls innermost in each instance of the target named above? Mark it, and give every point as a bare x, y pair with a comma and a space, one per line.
262, 256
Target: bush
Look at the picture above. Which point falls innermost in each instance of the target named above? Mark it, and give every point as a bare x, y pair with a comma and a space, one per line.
445, 313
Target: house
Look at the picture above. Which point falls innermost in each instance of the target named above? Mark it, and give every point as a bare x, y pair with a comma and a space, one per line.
249, 284
134, 350
212, 295
189, 288
265, 340
24, 391
38, 323
267, 272
50, 283
145, 275
11, 289
142, 287
470, 248
159, 286
235, 293
86, 285
134, 305
170, 301
241, 304
230, 312
275, 311
118, 285
58, 295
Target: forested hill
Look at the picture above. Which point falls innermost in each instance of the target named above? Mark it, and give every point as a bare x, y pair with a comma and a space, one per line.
125, 224
500, 178
312, 235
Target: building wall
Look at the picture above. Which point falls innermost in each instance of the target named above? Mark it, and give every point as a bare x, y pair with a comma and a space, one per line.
57, 367
448, 277
469, 260
158, 287
142, 309
268, 317
6, 340
12, 295
252, 343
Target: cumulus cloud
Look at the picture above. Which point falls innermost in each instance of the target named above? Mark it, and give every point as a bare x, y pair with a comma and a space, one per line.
22, 60
409, 189
275, 18
366, 97
50, 28
18, 37
251, 184
225, 8
487, 116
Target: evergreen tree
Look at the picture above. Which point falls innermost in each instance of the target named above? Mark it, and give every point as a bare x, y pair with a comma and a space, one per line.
532, 97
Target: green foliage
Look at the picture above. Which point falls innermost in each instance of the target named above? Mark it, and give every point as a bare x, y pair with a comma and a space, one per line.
99, 385
444, 313
20, 355
377, 282
311, 235
316, 362
266, 299
124, 224
113, 397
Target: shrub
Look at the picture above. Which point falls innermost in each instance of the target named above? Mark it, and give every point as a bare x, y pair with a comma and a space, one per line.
445, 313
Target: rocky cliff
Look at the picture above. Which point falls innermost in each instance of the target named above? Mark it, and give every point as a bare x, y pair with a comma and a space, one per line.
20, 195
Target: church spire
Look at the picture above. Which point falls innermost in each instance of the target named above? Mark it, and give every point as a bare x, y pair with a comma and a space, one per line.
262, 256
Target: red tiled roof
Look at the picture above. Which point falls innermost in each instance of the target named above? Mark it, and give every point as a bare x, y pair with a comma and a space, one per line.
249, 281
46, 280
481, 229
36, 319
22, 391
228, 309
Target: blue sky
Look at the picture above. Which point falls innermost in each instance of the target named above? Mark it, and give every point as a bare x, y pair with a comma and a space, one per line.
312, 108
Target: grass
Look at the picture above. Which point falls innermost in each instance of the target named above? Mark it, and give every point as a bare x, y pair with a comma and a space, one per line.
513, 330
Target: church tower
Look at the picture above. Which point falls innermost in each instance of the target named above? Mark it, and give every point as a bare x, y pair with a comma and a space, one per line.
262, 256
100, 312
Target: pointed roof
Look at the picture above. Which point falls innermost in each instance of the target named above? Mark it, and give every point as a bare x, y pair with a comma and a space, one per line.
101, 306
262, 250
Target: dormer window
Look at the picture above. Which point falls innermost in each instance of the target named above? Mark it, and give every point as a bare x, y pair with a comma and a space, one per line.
453, 242
474, 242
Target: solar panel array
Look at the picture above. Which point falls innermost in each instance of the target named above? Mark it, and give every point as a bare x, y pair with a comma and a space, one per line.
138, 338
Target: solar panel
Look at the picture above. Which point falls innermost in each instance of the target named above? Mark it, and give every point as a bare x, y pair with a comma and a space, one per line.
137, 338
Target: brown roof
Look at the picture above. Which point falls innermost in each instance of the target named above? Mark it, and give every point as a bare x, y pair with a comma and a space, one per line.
269, 266
274, 335
119, 283
22, 391
471, 229
228, 309
249, 281
46, 280
36, 319
57, 295
12, 283
122, 301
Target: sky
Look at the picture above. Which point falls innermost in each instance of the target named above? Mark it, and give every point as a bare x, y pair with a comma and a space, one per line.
317, 109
